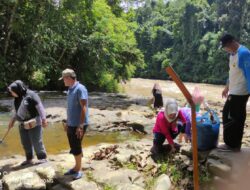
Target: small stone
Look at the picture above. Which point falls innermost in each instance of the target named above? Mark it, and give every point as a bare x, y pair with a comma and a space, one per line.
190, 168
163, 182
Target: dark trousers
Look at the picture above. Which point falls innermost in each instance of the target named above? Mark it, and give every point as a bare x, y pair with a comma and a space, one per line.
233, 117
159, 138
32, 139
74, 142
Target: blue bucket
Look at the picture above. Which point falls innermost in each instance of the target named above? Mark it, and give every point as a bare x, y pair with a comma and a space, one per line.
208, 131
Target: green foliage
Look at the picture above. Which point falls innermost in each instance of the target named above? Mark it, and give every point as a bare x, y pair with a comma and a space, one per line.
163, 168
95, 38
205, 176
106, 43
130, 165
176, 174
107, 82
108, 187
185, 34
149, 183
38, 79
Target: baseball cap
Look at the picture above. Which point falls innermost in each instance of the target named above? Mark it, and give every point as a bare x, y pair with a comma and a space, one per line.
68, 73
226, 39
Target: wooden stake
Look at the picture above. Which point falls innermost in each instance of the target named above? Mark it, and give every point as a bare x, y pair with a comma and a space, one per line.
188, 96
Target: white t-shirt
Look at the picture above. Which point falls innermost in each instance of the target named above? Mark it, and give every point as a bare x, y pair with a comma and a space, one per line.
237, 80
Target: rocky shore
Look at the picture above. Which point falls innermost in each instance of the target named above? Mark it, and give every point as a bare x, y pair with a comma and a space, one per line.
128, 165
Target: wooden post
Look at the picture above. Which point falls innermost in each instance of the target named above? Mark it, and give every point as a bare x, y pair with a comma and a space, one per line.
188, 96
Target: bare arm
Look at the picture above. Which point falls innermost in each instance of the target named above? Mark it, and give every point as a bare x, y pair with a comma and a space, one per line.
83, 110
41, 111
80, 131
225, 91
12, 122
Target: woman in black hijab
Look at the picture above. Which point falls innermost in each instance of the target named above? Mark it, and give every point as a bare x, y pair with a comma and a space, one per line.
157, 96
30, 113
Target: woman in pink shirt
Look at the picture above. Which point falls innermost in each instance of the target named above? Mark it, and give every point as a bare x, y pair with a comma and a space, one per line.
169, 123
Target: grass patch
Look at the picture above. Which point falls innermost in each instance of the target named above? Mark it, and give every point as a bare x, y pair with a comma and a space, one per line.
205, 176
108, 187
175, 174
103, 186
90, 176
149, 183
130, 165
163, 168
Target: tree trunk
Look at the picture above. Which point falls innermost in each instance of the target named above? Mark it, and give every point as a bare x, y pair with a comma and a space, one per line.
9, 28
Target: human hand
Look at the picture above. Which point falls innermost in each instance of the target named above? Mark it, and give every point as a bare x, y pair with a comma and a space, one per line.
65, 126
44, 123
79, 132
173, 149
225, 92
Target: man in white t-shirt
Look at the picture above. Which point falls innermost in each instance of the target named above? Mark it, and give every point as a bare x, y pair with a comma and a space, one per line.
236, 92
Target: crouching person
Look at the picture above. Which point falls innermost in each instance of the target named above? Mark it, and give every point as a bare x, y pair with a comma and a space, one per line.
169, 123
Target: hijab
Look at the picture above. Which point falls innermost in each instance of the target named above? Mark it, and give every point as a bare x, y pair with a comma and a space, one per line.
170, 108
20, 89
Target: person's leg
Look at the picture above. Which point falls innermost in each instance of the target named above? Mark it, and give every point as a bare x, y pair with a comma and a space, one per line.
76, 150
158, 142
188, 130
238, 114
78, 162
26, 143
37, 141
234, 116
181, 130
227, 121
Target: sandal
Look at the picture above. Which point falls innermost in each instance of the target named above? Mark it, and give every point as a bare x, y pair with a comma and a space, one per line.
26, 162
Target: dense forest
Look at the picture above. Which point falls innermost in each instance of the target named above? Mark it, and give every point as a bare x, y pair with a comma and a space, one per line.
109, 41
186, 33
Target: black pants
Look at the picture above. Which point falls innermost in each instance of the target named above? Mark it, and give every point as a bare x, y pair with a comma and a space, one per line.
74, 142
234, 116
159, 138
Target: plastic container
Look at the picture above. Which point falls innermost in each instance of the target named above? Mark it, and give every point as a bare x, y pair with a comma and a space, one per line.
208, 127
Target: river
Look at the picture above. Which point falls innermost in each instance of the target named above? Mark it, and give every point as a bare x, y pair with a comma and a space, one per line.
55, 138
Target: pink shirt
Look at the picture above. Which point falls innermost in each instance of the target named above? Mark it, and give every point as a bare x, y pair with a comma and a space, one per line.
163, 126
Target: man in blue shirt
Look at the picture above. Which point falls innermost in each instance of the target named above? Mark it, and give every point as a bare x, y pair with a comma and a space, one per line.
237, 92
77, 118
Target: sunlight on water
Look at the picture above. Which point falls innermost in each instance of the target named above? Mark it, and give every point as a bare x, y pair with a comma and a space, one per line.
55, 138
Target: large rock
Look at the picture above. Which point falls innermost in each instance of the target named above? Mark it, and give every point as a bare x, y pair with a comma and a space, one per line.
163, 183
129, 187
47, 173
218, 168
232, 166
23, 179
123, 155
83, 184
119, 177
59, 187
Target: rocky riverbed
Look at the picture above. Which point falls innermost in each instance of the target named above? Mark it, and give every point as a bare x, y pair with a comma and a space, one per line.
127, 165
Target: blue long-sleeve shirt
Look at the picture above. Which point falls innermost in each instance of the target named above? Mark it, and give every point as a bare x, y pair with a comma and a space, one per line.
244, 63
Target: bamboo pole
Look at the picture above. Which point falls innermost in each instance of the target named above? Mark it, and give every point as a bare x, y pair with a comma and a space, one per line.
188, 96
